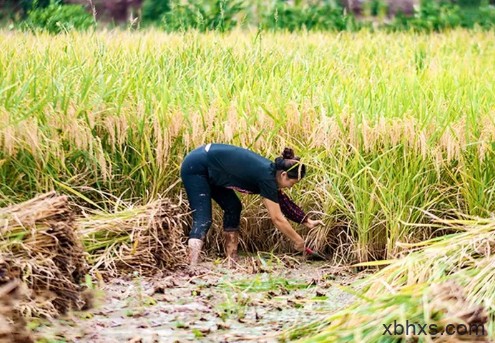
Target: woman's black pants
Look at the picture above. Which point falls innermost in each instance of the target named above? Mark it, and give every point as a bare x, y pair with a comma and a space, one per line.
200, 191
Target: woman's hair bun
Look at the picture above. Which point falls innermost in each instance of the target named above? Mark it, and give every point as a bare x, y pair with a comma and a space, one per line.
290, 164
288, 154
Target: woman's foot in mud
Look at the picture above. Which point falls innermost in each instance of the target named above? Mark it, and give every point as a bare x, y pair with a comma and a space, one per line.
197, 270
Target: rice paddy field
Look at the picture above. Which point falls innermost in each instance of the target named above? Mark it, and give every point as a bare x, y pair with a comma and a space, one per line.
397, 131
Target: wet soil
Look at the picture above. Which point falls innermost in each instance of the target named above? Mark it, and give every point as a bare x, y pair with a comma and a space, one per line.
255, 301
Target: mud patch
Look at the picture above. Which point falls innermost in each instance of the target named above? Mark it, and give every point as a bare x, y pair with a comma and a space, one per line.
255, 302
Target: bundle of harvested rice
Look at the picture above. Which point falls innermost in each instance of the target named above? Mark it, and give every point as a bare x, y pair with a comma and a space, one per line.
39, 246
12, 325
145, 238
419, 313
467, 257
408, 289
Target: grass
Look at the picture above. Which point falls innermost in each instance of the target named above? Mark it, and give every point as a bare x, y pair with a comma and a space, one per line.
392, 126
265, 283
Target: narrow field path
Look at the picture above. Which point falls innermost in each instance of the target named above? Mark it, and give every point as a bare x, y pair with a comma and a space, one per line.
254, 302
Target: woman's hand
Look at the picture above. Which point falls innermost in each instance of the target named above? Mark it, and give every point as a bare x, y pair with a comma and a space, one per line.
299, 245
310, 223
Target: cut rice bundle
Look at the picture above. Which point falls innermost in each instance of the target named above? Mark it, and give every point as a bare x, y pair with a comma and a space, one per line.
144, 239
446, 280
39, 246
12, 325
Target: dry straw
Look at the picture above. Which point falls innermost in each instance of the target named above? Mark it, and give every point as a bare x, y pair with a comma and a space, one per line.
12, 324
39, 246
144, 239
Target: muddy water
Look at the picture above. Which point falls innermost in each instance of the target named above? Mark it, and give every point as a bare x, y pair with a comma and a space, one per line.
254, 302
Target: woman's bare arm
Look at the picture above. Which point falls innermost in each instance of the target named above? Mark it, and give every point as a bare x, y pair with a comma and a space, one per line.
282, 224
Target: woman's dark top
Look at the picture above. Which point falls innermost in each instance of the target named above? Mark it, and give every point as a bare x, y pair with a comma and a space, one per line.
247, 172
243, 170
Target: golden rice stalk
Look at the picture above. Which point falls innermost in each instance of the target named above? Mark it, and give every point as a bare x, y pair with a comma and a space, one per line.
466, 256
145, 239
443, 308
409, 288
39, 246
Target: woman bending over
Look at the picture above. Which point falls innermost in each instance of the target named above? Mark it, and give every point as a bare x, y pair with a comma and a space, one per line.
216, 171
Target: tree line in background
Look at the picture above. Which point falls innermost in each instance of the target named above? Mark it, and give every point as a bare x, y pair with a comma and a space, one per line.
222, 15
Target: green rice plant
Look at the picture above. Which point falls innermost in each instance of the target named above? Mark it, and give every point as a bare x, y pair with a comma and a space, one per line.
385, 140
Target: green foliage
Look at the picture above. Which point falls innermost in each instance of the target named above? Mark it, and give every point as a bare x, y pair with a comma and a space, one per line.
431, 16
376, 8
437, 16
153, 10
485, 18
223, 15
15, 10
29, 5
57, 18
203, 15
325, 15
328, 16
